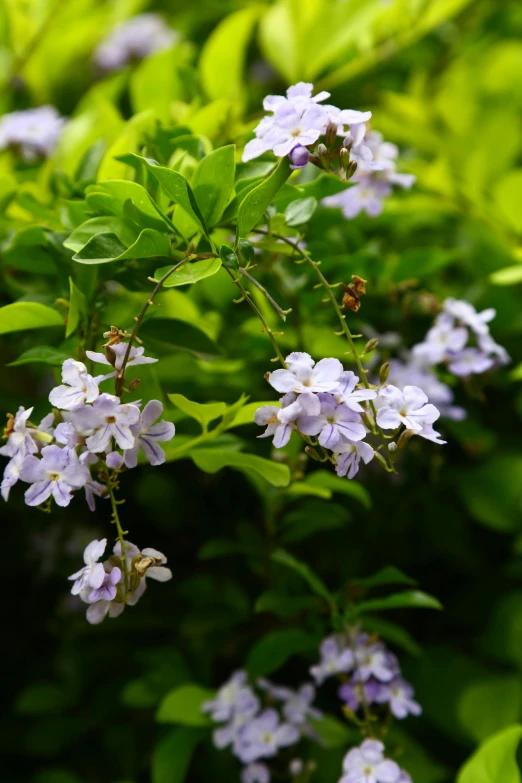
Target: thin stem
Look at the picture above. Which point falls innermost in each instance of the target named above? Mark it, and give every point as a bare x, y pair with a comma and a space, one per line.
268, 330
116, 520
263, 290
344, 325
120, 376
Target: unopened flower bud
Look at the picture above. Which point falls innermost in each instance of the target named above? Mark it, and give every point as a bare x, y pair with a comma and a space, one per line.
299, 157
384, 372
331, 134
321, 150
313, 453
133, 385
403, 440
392, 447
110, 355
348, 141
114, 460
371, 345
344, 158
296, 766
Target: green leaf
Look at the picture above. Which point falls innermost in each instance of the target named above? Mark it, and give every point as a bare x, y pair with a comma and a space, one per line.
273, 650
41, 354
41, 698
509, 275
409, 599
126, 231
392, 632
202, 412
492, 491
490, 705
213, 182
173, 754
20, 316
300, 211
315, 583
176, 187
223, 56
111, 198
389, 575
334, 733
285, 605
104, 248
495, 760
508, 197
77, 308
255, 203
183, 705
213, 460
189, 272
229, 259
326, 479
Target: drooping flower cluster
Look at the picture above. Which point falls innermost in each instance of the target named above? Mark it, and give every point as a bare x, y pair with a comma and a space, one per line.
32, 134
461, 340
257, 726
107, 587
372, 185
134, 40
296, 123
329, 403
367, 764
374, 674
90, 426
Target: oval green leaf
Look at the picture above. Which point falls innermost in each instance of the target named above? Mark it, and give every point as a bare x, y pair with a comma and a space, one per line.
189, 273
20, 316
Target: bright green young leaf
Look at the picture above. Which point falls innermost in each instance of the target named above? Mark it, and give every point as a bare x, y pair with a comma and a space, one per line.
508, 275
77, 308
223, 56
300, 211
183, 705
19, 316
111, 197
189, 272
409, 599
173, 754
314, 582
213, 182
495, 760
255, 203
176, 187
508, 197
490, 705
41, 354
126, 231
389, 575
271, 651
212, 460
104, 248
204, 413
245, 415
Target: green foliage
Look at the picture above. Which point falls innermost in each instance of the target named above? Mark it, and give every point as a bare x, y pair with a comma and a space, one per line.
494, 760
183, 705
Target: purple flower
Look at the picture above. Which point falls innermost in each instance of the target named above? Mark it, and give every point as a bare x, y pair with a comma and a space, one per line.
79, 386
109, 419
297, 705
263, 736
367, 195
334, 424
107, 590
148, 435
408, 407
304, 375
367, 764
488, 345
373, 660
255, 773
136, 357
349, 456
134, 39
441, 341
19, 436
360, 153
94, 488
357, 693
349, 395
299, 157
465, 313
234, 696
93, 573
57, 473
335, 658
399, 695
409, 374
34, 132
470, 361
114, 460
280, 422
11, 474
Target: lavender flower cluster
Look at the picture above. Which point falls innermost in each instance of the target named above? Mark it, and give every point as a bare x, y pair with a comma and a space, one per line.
90, 426
107, 587
134, 40
255, 731
374, 185
330, 403
33, 133
367, 764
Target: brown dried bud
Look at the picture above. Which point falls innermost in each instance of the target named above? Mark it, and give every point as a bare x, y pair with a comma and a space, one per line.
353, 293
9, 428
110, 355
133, 385
384, 372
115, 335
313, 453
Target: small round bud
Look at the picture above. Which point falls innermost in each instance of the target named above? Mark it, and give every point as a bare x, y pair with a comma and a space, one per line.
299, 157
371, 345
392, 447
133, 385
321, 150
296, 766
114, 460
384, 372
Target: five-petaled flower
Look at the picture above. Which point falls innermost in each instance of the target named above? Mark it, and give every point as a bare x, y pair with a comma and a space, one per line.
109, 418
79, 386
148, 435
57, 473
409, 407
304, 375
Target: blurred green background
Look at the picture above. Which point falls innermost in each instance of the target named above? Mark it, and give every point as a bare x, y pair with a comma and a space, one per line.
444, 80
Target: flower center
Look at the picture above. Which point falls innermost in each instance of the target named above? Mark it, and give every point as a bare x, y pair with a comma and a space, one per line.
111, 419
267, 738
54, 476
